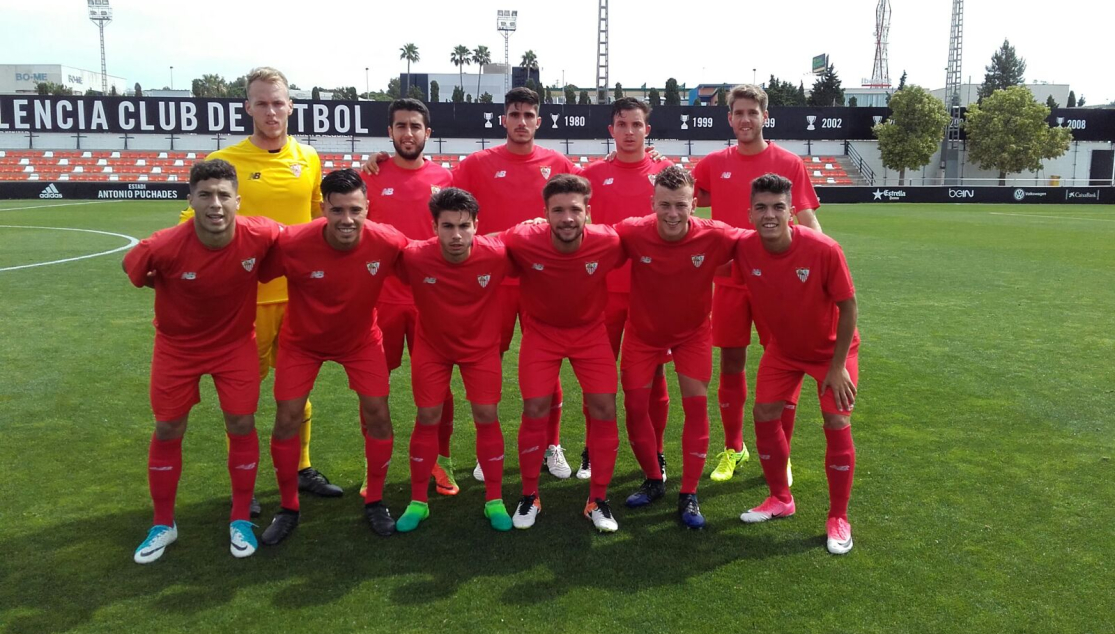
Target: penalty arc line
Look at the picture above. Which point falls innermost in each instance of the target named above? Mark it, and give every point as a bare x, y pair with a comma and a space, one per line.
131, 243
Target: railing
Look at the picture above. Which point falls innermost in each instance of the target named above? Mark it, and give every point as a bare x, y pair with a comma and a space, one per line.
865, 170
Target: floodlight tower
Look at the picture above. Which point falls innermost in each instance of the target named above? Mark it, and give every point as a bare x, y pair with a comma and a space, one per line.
951, 145
880, 72
506, 22
101, 14
602, 54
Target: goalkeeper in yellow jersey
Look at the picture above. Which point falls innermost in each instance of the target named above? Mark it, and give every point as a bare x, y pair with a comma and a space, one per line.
279, 179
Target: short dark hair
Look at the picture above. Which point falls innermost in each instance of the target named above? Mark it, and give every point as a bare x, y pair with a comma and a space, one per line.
412, 105
342, 181
771, 184
623, 104
566, 184
453, 199
522, 94
674, 178
219, 169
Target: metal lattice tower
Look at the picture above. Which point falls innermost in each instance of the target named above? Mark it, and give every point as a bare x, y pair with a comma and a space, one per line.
506, 23
952, 73
100, 13
880, 72
602, 55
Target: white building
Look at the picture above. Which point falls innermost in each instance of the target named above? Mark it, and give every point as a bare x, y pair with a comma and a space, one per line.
17, 79
969, 93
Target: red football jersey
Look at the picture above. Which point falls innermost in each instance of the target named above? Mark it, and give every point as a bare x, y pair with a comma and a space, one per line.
794, 294
400, 197
558, 289
205, 299
726, 175
509, 186
620, 191
332, 294
458, 305
671, 282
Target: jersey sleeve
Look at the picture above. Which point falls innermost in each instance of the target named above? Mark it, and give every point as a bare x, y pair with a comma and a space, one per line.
315, 194
701, 174
273, 265
838, 279
462, 173
139, 262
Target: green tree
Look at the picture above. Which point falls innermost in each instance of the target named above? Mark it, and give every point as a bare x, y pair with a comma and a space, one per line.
292, 87
1008, 132
461, 57
549, 95
721, 97
112, 92
913, 131
480, 56
394, 89
238, 88
209, 86
485, 98
853, 102
827, 90
1072, 100
1051, 103
1080, 102
653, 98
458, 95
583, 100
315, 93
409, 52
416, 92
618, 94
532, 85
435, 92
902, 81
51, 88
1005, 70
138, 90
673, 97
801, 100
529, 61
570, 94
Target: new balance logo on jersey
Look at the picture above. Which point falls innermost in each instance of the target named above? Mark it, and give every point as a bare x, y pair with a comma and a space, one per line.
255, 176
248, 264
645, 259
387, 191
803, 274
726, 175
189, 276
373, 267
698, 259
537, 267
430, 280
757, 272
51, 191
483, 279
609, 181
590, 267
501, 174
317, 275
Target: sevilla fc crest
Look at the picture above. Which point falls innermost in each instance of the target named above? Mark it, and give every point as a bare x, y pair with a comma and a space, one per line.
434, 189
248, 264
590, 267
803, 274
651, 177
546, 172
698, 260
483, 279
296, 169
373, 267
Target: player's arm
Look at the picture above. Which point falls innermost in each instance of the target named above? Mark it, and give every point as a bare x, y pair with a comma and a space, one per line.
138, 266
371, 166
808, 218
315, 195
837, 379
701, 176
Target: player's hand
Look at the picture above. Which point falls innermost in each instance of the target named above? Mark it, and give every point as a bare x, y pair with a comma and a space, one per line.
653, 154
534, 221
150, 283
371, 166
843, 390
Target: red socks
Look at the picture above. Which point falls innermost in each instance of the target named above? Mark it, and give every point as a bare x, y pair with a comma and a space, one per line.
423, 453
774, 451
445, 428
532, 450
840, 466
243, 463
659, 407
554, 428
640, 433
164, 468
377, 453
284, 456
694, 442
603, 445
733, 395
789, 413
489, 453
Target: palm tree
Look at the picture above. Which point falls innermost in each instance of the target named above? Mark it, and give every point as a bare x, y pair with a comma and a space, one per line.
461, 57
410, 54
480, 56
529, 61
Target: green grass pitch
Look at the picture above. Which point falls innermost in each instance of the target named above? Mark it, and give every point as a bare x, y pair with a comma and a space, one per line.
983, 502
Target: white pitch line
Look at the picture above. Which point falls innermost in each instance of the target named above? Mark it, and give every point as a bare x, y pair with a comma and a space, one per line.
131, 243
91, 202
1000, 213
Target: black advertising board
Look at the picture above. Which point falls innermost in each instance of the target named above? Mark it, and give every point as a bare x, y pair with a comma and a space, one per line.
158, 115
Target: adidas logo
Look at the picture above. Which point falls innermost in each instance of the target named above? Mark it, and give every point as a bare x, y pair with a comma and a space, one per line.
51, 191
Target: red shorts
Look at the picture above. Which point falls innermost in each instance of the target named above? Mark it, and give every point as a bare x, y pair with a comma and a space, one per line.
430, 373
692, 357
779, 379
731, 317
508, 311
397, 323
296, 370
543, 347
175, 375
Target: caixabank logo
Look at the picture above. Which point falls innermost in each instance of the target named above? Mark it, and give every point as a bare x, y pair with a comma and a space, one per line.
1087, 194
51, 191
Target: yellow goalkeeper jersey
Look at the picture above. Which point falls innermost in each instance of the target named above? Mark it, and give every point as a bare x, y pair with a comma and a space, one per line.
284, 186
